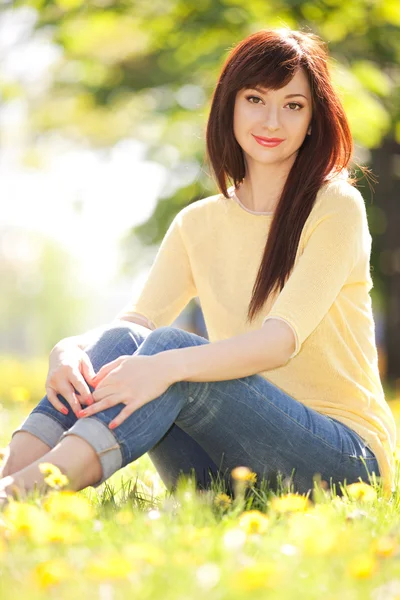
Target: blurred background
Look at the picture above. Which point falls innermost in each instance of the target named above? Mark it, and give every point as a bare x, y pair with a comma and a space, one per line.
103, 108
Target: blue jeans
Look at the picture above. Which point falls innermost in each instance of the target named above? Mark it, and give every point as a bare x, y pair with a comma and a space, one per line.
210, 427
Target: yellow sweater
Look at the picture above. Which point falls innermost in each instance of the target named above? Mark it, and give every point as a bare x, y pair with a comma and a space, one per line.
213, 249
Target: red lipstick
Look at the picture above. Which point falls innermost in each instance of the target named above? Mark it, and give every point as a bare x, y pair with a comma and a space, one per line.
268, 142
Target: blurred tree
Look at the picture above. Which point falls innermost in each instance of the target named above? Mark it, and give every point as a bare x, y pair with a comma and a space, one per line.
147, 70
42, 302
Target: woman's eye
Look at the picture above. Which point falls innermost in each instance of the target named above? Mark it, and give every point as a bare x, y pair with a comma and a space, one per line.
295, 104
253, 97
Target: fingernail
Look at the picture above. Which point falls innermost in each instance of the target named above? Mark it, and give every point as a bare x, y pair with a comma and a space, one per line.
112, 425
64, 410
82, 413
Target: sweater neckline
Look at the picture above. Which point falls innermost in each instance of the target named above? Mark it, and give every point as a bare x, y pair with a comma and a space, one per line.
232, 194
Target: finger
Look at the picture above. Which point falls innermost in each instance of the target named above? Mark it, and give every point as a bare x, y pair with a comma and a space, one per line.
81, 387
53, 399
102, 391
124, 414
67, 392
106, 369
87, 369
107, 402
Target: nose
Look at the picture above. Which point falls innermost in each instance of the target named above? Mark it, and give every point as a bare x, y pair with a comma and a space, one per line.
271, 120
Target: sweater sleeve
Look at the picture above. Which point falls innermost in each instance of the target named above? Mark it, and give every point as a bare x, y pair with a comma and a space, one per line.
332, 248
169, 285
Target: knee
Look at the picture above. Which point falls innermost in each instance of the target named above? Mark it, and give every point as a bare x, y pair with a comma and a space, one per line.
119, 334
167, 338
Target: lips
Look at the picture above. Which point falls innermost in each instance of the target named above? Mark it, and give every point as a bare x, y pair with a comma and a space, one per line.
269, 142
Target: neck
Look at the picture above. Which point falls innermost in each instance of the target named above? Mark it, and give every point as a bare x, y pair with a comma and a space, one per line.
262, 186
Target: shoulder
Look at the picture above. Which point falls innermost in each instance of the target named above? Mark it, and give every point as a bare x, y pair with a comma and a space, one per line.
338, 196
199, 208
201, 216
340, 208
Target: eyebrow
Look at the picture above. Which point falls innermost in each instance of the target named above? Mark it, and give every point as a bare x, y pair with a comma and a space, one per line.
256, 87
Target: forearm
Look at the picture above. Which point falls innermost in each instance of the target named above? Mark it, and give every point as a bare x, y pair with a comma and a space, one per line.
240, 356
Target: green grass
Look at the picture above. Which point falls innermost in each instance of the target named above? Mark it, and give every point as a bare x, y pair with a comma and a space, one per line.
142, 541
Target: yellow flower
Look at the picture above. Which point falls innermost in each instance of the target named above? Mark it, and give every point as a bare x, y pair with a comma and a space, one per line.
56, 481
62, 532
51, 572
69, 505
361, 491
244, 474
315, 533
254, 577
362, 566
20, 394
254, 521
124, 517
222, 501
26, 520
54, 478
290, 503
109, 567
385, 546
144, 553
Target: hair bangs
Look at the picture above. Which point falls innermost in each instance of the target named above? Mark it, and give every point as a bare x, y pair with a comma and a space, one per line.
271, 66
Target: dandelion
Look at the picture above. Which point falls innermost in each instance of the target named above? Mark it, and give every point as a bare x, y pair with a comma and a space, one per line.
144, 553
69, 505
385, 546
254, 577
362, 566
124, 517
244, 474
108, 567
242, 479
222, 501
314, 533
254, 521
26, 520
361, 491
51, 572
20, 394
62, 533
53, 476
290, 503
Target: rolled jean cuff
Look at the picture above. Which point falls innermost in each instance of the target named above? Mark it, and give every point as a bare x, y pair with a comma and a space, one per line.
99, 436
47, 429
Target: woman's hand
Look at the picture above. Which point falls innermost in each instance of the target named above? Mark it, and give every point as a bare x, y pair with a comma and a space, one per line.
133, 380
70, 369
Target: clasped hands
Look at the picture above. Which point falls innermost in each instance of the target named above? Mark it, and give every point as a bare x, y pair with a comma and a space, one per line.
131, 380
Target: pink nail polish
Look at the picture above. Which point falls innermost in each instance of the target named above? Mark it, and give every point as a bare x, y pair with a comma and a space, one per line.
112, 425
64, 410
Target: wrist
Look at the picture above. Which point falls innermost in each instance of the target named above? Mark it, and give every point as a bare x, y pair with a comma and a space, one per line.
170, 362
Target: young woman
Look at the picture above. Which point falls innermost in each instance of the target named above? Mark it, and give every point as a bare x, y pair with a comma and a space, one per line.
288, 382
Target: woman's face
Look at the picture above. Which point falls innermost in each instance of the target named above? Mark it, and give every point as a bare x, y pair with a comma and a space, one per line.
261, 113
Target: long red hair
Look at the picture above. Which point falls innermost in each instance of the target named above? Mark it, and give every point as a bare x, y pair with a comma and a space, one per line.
270, 58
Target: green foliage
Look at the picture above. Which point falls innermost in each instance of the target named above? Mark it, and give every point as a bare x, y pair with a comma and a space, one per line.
147, 70
43, 302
